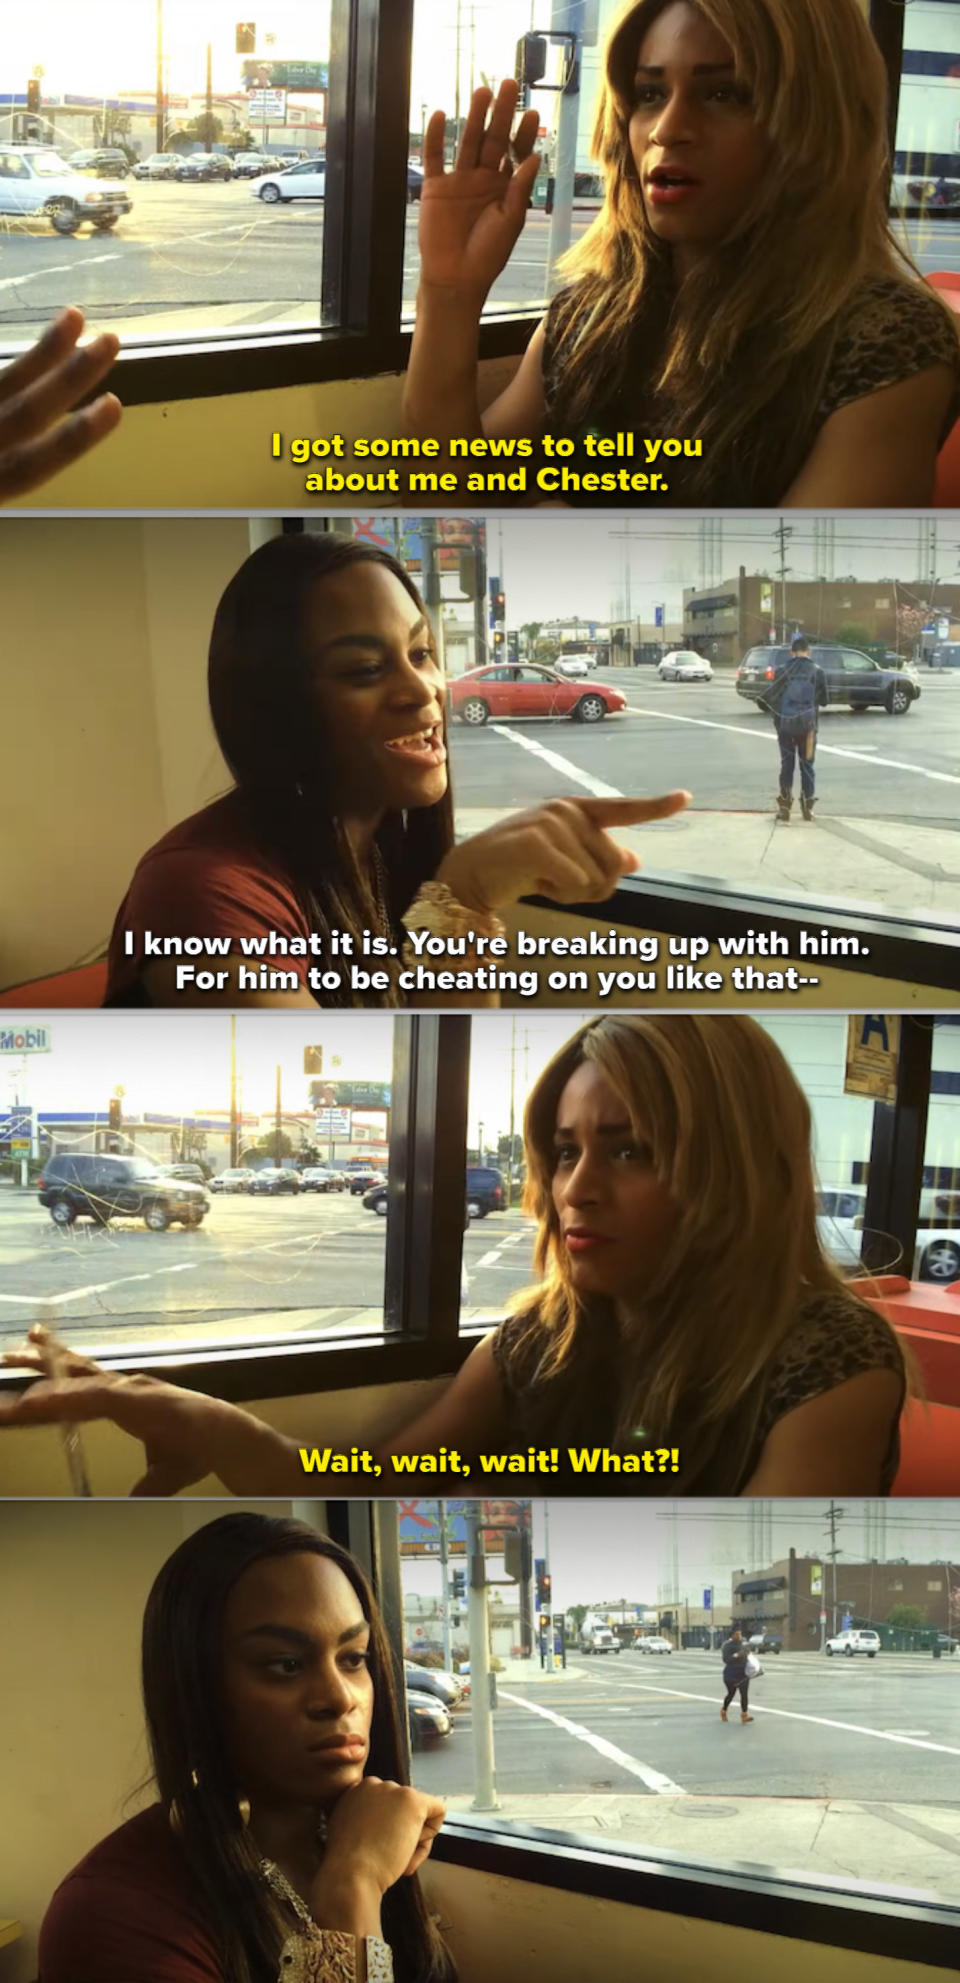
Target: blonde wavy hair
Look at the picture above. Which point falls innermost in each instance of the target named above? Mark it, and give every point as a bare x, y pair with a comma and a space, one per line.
728, 1127
755, 323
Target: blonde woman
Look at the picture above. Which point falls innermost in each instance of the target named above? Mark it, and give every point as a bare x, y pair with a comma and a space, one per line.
684, 1301
740, 287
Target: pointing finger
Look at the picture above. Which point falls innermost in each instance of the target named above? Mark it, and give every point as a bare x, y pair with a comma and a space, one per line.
633, 812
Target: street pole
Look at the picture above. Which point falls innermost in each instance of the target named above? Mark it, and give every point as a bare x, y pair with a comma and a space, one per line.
278, 1125
481, 1702
209, 102
480, 598
567, 17
161, 118
234, 1118
444, 1586
513, 1086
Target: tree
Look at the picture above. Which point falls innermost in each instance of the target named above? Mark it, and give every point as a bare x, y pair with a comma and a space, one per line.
576, 1614
852, 634
206, 130
530, 633
266, 1147
907, 1617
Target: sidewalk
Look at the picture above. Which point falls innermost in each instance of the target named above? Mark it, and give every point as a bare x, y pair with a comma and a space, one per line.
911, 1847
840, 862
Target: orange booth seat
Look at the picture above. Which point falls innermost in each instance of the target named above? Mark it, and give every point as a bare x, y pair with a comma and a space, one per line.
928, 1319
83, 987
946, 493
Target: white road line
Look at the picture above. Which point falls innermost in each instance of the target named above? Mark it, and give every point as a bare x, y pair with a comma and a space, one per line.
653, 1779
99, 1287
562, 764
767, 738
13, 281
820, 1721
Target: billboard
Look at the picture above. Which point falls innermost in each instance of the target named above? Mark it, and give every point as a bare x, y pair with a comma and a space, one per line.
286, 75
419, 1524
25, 1039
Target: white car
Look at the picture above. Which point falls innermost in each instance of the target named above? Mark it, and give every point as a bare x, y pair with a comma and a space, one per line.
159, 165
654, 1644
684, 666
854, 1642
299, 182
937, 1256
34, 179
574, 666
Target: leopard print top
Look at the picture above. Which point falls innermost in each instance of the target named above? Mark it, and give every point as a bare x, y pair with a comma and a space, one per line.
324, 1955
835, 1337
889, 331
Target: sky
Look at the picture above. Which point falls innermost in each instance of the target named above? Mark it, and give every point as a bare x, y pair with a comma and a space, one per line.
649, 1551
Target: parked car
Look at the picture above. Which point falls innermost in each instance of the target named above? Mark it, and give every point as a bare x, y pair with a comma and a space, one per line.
414, 182
364, 1180
849, 677
377, 1200
271, 1182
485, 1190
205, 165
929, 193
88, 1185
251, 165
232, 1180
159, 165
315, 1178
513, 689
297, 182
105, 162
193, 1173
653, 1644
683, 665
34, 179
433, 1680
427, 1719
854, 1642
573, 667
765, 1642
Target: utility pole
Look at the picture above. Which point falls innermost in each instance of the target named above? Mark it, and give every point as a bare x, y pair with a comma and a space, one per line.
234, 1115
833, 1516
209, 103
481, 1678
161, 115
480, 597
513, 1085
444, 1586
782, 532
278, 1125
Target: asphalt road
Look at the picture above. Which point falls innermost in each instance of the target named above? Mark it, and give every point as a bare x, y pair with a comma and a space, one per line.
884, 1730
194, 257
704, 736
252, 1258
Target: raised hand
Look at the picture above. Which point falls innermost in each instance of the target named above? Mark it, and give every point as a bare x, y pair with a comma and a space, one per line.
471, 217
38, 389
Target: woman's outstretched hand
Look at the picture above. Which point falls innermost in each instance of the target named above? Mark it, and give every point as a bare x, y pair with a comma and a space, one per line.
185, 1435
561, 850
35, 393
471, 217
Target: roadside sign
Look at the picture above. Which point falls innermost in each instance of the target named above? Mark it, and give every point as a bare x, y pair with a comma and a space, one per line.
873, 1045
268, 106
333, 1122
25, 1039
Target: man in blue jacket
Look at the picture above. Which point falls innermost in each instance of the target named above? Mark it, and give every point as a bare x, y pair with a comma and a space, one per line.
796, 693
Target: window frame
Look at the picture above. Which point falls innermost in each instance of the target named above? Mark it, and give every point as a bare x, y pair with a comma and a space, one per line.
830, 1912
423, 1337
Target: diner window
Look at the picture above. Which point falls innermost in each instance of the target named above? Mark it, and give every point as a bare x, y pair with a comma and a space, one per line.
937, 1258
603, 1631
925, 190
194, 1182
169, 181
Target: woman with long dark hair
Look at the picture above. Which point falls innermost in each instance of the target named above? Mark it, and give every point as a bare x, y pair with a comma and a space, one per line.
740, 297
285, 1843
685, 1301
328, 703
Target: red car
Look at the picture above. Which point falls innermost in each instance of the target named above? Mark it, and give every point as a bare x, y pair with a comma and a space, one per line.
515, 689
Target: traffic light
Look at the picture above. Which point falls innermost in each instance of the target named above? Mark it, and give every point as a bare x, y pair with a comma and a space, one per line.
313, 1060
468, 574
458, 1585
518, 1555
246, 37
544, 1590
531, 66
544, 1621
116, 1112
33, 94
498, 604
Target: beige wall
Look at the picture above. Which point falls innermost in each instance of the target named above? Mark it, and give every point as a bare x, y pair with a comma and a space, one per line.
73, 1583
105, 631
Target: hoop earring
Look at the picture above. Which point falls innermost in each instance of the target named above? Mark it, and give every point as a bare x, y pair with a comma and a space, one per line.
243, 1811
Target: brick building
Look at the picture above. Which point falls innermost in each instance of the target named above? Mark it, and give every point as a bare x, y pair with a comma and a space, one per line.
788, 1597
739, 613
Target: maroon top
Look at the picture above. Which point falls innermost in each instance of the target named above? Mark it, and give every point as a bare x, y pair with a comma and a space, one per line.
129, 1913
209, 876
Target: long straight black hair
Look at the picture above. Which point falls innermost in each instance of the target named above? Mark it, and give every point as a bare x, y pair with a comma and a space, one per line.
192, 1764
259, 680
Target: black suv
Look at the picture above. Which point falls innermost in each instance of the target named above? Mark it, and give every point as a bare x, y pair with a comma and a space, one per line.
87, 1186
485, 1192
850, 677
